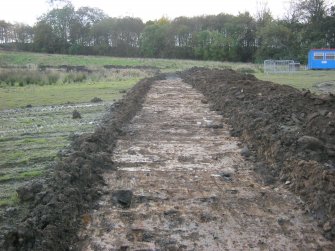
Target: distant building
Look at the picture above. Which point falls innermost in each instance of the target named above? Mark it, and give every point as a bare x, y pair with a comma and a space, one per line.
321, 59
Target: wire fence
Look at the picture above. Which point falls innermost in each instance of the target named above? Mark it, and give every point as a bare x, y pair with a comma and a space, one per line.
280, 66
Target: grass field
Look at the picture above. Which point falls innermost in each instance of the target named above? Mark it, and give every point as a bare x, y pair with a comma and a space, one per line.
19, 97
316, 81
36, 119
166, 65
30, 139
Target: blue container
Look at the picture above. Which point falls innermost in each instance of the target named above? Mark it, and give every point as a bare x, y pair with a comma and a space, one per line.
321, 59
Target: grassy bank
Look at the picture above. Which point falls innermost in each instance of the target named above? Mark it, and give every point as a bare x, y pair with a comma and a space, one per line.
166, 65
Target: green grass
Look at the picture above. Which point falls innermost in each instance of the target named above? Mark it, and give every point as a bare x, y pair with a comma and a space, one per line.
16, 97
22, 156
27, 58
21, 176
166, 65
301, 79
9, 201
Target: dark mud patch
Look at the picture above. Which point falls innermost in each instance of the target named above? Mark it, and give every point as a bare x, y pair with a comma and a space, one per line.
151, 69
66, 68
57, 209
123, 67
290, 132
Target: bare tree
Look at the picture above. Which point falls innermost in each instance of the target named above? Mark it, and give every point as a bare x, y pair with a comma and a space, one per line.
58, 2
293, 12
263, 14
309, 11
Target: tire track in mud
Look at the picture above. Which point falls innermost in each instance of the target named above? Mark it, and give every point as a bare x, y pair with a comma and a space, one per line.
182, 184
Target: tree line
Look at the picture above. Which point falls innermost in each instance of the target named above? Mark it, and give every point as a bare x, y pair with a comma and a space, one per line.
241, 38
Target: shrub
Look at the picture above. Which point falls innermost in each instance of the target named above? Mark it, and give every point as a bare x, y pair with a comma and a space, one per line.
75, 78
52, 78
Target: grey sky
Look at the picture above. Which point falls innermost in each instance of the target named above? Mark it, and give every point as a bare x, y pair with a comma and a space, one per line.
27, 11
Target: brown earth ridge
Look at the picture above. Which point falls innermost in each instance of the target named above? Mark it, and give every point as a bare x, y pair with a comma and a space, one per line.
289, 135
291, 132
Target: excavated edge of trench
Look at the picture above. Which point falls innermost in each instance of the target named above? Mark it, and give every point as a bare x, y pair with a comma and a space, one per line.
57, 205
296, 151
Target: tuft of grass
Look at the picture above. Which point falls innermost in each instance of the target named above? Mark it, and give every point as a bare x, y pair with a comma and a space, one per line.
30, 174
9, 201
21, 176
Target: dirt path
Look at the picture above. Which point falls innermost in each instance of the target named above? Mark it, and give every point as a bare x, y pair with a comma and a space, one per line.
182, 184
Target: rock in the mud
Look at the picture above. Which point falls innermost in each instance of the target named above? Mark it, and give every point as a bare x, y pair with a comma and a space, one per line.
76, 115
123, 197
28, 192
235, 133
96, 100
306, 93
327, 227
204, 101
282, 220
227, 173
295, 118
309, 142
245, 151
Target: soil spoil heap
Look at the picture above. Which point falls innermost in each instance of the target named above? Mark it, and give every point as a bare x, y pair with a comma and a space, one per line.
292, 133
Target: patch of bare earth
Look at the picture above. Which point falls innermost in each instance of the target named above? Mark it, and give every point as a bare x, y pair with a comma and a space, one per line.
182, 184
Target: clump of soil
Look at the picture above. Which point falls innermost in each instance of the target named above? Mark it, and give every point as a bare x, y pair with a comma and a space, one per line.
66, 68
58, 208
292, 133
96, 100
140, 67
76, 114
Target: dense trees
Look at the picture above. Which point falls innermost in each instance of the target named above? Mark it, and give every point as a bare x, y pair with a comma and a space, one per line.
308, 23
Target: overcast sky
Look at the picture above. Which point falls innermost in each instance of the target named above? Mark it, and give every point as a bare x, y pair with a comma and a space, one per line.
27, 11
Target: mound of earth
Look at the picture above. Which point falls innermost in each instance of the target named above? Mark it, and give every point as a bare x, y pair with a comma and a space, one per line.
57, 205
291, 132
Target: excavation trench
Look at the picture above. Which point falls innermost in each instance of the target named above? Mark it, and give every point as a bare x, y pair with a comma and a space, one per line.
182, 184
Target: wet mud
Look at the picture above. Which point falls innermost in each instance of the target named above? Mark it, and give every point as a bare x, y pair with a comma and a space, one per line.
182, 184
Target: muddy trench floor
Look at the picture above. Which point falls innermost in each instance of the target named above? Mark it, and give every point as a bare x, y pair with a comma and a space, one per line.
182, 184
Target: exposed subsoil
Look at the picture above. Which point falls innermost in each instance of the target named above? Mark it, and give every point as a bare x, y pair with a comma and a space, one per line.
167, 170
182, 184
